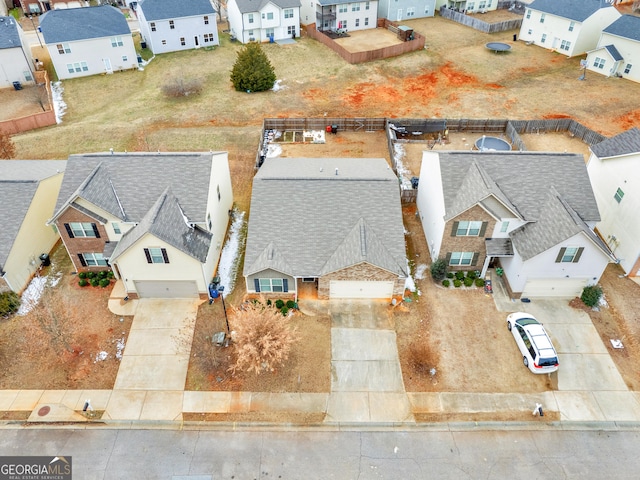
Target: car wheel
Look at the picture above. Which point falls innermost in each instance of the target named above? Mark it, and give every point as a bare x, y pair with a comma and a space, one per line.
509, 325
525, 360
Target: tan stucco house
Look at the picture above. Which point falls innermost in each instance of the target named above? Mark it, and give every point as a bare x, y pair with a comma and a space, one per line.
157, 219
28, 189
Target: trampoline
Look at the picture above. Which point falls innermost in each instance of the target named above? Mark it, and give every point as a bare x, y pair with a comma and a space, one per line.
498, 46
491, 144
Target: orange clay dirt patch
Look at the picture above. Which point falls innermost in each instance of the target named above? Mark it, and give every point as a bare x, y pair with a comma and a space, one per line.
630, 120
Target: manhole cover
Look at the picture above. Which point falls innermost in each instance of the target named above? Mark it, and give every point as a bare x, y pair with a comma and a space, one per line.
44, 411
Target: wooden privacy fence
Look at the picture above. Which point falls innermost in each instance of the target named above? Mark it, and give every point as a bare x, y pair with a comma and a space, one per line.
36, 120
478, 24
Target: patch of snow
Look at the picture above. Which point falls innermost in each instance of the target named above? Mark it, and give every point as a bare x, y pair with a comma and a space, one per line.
277, 87
603, 302
409, 284
228, 266
403, 172
101, 356
274, 150
31, 295
420, 271
59, 107
120, 348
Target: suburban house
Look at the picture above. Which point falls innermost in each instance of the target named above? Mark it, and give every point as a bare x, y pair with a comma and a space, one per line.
264, 20
407, 9
157, 219
570, 27
534, 213
32, 187
618, 50
88, 41
614, 167
329, 225
332, 15
16, 61
41, 6
173, 25
473, 6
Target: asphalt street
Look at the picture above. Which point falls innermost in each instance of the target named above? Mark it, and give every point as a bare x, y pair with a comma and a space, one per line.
440, 453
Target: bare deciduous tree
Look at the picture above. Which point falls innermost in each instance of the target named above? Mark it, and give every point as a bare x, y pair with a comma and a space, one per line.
262, 337
7, 148
38, 94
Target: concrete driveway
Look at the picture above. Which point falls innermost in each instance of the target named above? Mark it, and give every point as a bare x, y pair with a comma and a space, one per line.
366, 379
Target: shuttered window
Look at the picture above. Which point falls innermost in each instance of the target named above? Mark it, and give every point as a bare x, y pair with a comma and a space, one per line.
82, 229
468, 229
569, 254
156, 255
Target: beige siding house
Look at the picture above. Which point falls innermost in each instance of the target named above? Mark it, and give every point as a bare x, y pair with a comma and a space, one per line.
29, 189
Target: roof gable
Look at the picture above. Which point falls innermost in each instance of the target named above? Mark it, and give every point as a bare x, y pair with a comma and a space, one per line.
172, 9
9, 36
73, 24
625, 143
577, 10
627, 26
247, 6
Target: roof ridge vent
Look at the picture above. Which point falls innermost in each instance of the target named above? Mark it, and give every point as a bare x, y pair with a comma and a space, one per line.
363, 240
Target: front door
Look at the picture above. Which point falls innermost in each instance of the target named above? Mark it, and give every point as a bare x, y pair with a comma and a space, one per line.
399, 15
107, 65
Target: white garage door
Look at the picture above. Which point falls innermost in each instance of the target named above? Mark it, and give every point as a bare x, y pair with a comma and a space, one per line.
349, 289
167, 289
564, 287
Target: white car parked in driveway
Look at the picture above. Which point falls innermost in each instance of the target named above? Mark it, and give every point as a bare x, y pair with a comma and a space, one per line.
538, 353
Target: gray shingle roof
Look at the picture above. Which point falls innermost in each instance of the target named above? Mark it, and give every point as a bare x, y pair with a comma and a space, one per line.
523, 178
68, 25
308, 221
168, 9
578, 10
613, 51
166, 221
247, 6
19, 181
9, 37
627, 26
625, 143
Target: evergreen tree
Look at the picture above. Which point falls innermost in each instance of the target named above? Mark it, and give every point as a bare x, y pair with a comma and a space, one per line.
252, 71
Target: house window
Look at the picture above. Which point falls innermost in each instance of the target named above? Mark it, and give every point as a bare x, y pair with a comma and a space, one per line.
366, 21
505, 226
171, 25
70, 67
116, 228
164, 42
468, 229
627, 69
471, 6
355, 7
27, 76
569, 254
182, 41
218, 191
92, 260
598, 63
153, 26
461, 258
291, 30
63, 48
156, 255
544, 38
116, 42
206, 20
366, 5
85, 67
411, 11
342, 8
530, 32
269, 15
618, 196
82, 229
571, 26
482, 6
125, 58
209, 221
357, 22
250, 16
565, 45
288, 13
342, 24
208, 37
271, 285
269, 32
542, 18
426, 10
528, 14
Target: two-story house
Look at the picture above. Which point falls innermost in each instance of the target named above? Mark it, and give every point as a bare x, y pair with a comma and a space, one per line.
618, 50
329, 15
30, 7
173, 25
397, 11
16, 61
88, 41
264, 20
157, 219
534, 213
570, 27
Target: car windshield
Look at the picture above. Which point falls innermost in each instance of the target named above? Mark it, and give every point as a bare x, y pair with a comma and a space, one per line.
548, 362
527, 321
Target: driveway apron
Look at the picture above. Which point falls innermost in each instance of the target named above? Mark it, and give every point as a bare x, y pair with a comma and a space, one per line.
366, 379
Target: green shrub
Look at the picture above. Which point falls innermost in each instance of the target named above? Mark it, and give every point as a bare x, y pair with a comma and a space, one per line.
91, 274
268, 302
472, 274
291, 304
83, 282
284, 311
450, 275
591, 295
9, 303
468, 282
438, 269
446, 283
104, 282
460, 275
103, 274
82, 275
479, 282
279, 304
110, 274
94, 282
457, 283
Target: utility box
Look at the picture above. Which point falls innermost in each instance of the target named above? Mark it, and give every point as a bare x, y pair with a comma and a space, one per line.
405, 33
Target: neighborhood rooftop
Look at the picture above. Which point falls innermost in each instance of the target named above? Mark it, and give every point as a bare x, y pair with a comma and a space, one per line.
246, 6
168, 9
627, 26
625, 143
578, 10
9, 36
68, 25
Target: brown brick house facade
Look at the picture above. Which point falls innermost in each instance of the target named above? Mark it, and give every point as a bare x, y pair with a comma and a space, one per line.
475, 244
360, 272
80, 245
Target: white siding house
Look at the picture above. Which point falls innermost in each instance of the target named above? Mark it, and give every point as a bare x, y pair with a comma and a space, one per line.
16, 62
618, 50
330, 15
264, 20
397, 11
88, 41
570, 27
614, 169
173, 25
